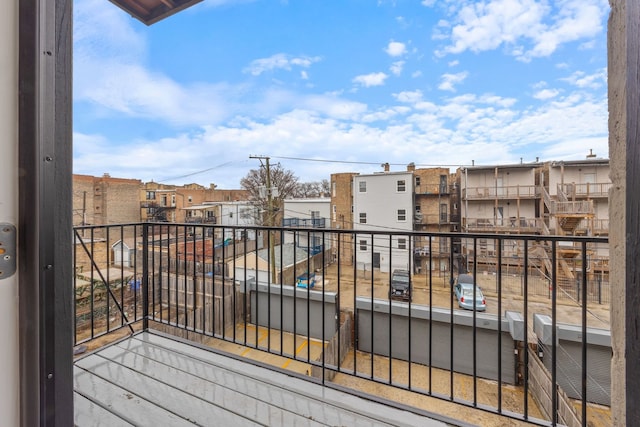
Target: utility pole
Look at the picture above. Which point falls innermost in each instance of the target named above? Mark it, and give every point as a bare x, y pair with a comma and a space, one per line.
84, 211
270, 215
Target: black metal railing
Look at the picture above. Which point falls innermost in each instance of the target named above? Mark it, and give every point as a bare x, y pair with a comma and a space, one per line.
525, 357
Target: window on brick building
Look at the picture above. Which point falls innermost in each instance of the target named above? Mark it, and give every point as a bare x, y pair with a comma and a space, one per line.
151, 195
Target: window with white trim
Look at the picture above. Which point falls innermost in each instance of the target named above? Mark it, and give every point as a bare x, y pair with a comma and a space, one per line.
402, 243
363, 245
401, 186
362, 186
402, 214
363, 218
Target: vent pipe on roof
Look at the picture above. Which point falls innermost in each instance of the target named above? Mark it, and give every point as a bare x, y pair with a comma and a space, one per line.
537, 159
591, 155
473, 162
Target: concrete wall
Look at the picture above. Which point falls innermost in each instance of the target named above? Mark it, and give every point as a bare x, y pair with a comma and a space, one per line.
293, 320
624, 128
375, 337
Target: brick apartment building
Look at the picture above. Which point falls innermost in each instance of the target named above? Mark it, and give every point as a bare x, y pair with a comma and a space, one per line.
164, 202
105, 200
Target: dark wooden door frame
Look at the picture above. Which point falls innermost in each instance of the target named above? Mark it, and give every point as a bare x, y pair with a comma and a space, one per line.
44, 212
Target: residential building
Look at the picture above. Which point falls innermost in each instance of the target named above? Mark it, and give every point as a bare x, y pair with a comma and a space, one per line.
165, 202
552, 198
436, 202
105, 200
501, 198
383, 202
307, 213
341, 216
581, 191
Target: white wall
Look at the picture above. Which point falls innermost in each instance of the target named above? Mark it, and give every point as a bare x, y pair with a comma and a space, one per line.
381, 202
238, 214
9, 386
576, 174
302, 208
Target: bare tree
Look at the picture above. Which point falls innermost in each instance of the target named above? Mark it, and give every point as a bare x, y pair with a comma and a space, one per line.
284, 185
313, 189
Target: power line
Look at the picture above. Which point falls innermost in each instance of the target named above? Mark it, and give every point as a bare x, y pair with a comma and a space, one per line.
353, 162
195, 173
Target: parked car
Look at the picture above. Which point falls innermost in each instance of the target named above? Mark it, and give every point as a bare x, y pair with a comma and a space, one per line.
400, 285
463, 291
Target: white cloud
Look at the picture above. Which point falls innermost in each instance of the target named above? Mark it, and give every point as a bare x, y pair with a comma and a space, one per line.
453, 63
448, 81
373, 79
526, 28
279, 61
396, 67
591, 81
396, 49
545, 94
410, 97
304, 75
225, 122
486, 128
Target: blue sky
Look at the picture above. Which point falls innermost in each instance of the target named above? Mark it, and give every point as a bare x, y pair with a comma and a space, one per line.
437, 83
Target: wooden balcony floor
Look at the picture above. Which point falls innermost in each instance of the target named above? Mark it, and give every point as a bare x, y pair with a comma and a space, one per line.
152, 380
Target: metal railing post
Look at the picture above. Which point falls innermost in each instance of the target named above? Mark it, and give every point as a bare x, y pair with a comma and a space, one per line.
145, 277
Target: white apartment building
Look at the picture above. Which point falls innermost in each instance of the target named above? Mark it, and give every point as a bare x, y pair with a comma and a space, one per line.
227, 214
307, 213
500, 198
580, 188
383, 202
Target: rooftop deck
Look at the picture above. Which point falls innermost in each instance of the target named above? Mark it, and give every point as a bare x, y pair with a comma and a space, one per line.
150, 379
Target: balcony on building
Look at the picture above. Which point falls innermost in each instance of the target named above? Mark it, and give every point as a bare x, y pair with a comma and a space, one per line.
304, 222
516, 225
501, 193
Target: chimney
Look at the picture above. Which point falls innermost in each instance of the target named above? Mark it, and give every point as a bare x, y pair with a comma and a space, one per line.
386, 167
411, 167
